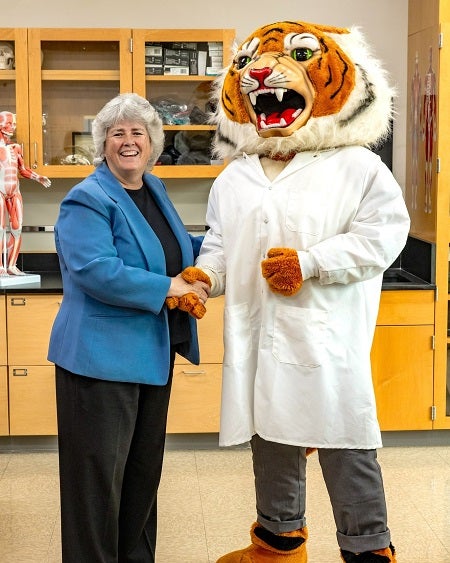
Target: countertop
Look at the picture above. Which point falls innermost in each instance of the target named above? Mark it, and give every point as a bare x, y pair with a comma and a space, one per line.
46, 264
393, 279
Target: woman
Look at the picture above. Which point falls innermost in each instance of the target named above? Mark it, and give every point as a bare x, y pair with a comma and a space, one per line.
121, 247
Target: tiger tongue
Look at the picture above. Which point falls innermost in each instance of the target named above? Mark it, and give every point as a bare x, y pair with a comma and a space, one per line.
277, 119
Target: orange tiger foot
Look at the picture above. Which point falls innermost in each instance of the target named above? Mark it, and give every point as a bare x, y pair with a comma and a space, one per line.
261, 552
386, 555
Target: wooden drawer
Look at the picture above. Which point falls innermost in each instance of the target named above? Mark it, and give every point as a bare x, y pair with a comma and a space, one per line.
29, 320
407, 307
195, 401
32, 400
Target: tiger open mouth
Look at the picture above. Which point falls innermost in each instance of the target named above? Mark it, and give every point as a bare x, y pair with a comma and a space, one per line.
276, 107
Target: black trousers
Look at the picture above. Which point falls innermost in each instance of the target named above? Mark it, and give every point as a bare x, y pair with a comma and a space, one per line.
111, 439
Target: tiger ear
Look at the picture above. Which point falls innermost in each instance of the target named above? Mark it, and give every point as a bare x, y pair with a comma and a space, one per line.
328, 28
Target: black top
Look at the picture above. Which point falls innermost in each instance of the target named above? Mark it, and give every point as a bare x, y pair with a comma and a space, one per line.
145, 202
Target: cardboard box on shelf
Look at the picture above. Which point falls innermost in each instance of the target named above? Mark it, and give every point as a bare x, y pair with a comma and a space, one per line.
176, 70
154, 69
176, 57
153, 50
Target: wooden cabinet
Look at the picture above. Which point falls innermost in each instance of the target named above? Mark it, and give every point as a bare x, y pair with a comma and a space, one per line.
31, 378
196, 390
428, 167
27, 380
402, 360
402, 365
62, 77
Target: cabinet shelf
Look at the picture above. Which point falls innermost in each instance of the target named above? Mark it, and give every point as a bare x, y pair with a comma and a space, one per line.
96, 75
188, 171
189, 78
176, 171
7, 74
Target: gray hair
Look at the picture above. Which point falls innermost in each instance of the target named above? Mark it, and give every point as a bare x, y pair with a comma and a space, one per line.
128, 107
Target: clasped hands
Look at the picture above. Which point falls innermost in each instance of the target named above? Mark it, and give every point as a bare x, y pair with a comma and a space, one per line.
189, 292
190, 289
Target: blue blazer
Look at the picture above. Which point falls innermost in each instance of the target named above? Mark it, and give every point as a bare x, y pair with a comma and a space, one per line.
112, 323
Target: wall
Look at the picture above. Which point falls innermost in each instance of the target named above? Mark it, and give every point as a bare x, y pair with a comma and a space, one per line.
384, 23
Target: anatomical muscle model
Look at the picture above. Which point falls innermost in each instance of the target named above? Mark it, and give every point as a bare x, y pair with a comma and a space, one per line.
11, 204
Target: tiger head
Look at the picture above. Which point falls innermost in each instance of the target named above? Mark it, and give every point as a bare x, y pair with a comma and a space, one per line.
295, 86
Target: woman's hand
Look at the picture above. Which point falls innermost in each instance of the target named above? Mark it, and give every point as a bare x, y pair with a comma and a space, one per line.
189, 292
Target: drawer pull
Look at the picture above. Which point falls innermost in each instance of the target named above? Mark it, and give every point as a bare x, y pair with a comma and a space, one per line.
193, 371
20, 372
18, 301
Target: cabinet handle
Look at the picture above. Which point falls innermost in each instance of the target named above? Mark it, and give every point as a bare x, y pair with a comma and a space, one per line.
193, 371
18, 301
35, 163
20, 372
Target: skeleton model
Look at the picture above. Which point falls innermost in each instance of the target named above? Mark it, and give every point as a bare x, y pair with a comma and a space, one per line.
6, 56
11, 165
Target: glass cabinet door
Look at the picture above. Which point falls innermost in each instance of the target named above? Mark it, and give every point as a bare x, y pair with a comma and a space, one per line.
72, 74
14, 79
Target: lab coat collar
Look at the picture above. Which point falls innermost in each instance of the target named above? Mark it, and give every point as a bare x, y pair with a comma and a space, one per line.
300, 160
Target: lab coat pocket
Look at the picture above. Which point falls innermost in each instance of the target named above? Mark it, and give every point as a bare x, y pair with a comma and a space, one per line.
302, 216
299, 335
237, 334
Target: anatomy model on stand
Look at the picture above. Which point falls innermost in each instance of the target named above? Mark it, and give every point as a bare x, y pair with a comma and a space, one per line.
11, 204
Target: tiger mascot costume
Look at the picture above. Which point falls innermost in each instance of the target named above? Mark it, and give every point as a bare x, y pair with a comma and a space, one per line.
302, 222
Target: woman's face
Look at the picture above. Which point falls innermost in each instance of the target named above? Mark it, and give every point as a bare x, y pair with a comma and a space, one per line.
127, 149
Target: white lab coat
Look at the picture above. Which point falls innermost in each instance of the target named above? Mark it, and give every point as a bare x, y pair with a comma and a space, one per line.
296, 369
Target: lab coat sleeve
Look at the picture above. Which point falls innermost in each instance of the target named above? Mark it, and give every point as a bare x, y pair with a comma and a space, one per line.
211, 259
374, 239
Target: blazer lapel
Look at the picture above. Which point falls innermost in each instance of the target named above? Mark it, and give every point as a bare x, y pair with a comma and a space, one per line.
158, 191
144, 234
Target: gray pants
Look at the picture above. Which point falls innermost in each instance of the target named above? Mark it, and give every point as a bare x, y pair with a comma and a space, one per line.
354, 483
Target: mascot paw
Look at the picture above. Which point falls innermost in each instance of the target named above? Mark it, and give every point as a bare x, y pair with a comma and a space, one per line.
172, 302
282, 271
192, 305
192, 274
190, 301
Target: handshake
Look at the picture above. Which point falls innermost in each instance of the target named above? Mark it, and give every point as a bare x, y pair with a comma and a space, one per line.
190, 302
281, 269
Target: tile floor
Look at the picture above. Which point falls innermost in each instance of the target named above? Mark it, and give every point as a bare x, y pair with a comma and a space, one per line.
206, 505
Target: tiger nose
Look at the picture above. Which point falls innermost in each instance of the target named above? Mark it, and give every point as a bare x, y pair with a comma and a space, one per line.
260, 74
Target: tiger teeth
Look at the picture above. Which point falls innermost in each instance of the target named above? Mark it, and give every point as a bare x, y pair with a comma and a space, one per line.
278, 92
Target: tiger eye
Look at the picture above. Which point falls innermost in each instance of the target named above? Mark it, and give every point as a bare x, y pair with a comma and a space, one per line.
302, 54
243, 61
